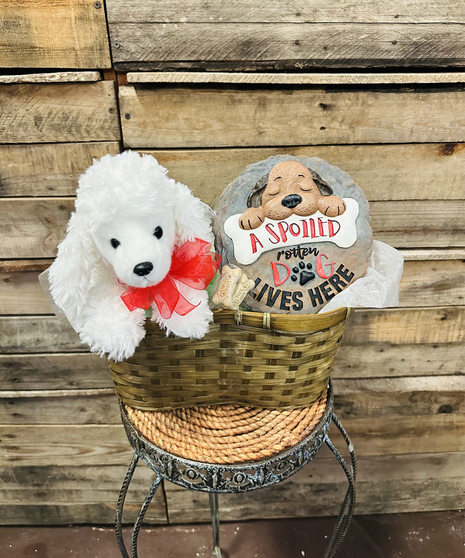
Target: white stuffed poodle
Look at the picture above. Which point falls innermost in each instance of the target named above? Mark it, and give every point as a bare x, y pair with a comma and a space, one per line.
130, 218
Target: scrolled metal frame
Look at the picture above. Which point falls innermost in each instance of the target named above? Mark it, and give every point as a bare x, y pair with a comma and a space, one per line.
216, 479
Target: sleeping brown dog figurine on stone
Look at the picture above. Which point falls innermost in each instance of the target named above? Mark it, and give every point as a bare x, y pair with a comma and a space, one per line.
289, 188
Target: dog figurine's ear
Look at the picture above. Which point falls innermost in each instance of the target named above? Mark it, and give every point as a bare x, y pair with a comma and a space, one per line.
324, 187
192, 216
255, 196
70, 273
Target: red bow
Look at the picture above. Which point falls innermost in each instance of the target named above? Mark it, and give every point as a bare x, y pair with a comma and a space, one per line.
191, 264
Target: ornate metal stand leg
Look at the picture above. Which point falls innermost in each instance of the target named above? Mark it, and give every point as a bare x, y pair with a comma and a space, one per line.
140, 517
142, 512
215, 523
347, 509
120, 506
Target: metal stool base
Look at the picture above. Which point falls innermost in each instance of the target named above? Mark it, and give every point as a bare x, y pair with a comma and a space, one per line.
217, 479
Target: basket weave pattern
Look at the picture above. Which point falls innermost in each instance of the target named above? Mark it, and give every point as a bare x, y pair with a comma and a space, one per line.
252, 359
227, 434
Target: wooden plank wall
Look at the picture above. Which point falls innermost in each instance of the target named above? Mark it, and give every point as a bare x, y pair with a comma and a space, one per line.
64, 453
53, 34
399, 387
399, 376
295, 35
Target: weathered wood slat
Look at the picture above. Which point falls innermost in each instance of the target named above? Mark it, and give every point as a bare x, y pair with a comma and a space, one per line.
23, 492
433, 283
54, 371
286, 500
32, 228
353, 398
401, 171
16, 266
51, 77
384, 172
94, 444
185, 117
399, 396
47, 334
281, 46
47, 170
49, 409
324, 468
419, 224
75, 514
66, 494
438, 254
68, 445
255, 78
436, 283
385, 484
60, 34
64, 484
409, 255
38, 334
274, 11
406, 326
378, 360
62, 112
409, 434
313, 487
22, 293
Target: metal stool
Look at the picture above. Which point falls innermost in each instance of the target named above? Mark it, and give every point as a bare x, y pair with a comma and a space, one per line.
216, 479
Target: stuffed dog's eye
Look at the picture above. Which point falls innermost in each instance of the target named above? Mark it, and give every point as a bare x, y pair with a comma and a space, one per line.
158, 232
301, 175
115, 243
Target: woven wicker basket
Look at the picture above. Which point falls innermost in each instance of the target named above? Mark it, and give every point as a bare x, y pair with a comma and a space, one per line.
247, 358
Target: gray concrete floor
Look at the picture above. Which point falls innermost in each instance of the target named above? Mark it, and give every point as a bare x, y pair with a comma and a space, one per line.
419, 535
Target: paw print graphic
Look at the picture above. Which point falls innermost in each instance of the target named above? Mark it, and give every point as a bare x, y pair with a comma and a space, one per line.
304, 271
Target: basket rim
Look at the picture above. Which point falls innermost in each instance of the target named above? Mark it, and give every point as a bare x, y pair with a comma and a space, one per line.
286, 323
338, 313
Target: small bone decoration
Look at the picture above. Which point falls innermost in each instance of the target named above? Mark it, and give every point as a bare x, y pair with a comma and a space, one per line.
232, 289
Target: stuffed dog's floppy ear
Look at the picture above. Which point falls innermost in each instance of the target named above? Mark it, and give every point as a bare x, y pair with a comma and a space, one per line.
192, 216
70, 273
255, 196
324, 187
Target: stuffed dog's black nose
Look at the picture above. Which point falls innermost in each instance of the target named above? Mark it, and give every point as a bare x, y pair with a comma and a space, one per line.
291, 201
143, 268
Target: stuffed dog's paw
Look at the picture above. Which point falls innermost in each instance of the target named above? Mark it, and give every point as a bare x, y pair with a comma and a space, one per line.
252, 218
331, 206
193, 325
117, 341
109, 328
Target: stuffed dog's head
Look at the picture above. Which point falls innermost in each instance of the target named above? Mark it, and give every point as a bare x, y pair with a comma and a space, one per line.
129, 217
289, 188
139, 247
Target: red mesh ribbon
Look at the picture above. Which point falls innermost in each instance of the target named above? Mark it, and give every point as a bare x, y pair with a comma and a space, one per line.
192, 264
